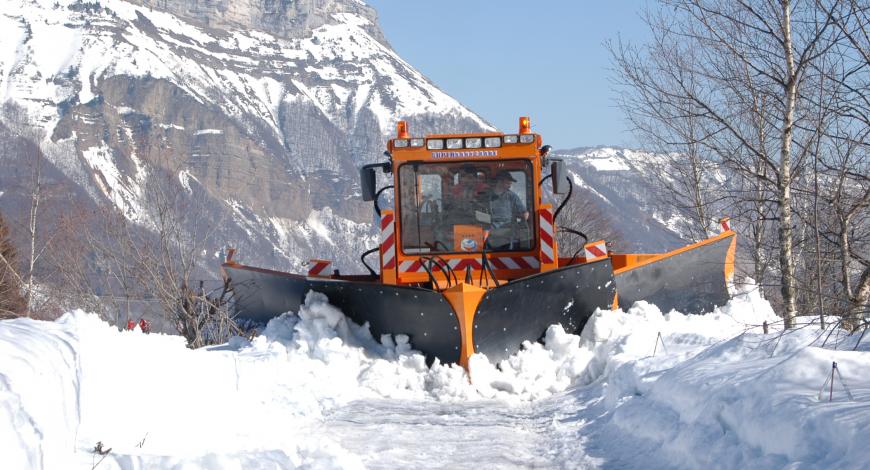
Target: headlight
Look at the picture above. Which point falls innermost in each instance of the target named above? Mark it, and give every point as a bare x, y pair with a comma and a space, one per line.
454, 143
416, 142
435, 144
491, 142
400, 143
473, 143
510, 139
527, 138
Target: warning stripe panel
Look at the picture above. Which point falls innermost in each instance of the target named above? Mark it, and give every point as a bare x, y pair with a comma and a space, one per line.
388, 241
595, 250
546, 222
460, 264
315, 267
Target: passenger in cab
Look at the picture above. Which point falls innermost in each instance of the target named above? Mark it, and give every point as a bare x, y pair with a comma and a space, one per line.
467, 195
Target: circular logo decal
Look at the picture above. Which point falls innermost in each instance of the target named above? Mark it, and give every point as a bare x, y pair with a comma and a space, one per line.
468, 244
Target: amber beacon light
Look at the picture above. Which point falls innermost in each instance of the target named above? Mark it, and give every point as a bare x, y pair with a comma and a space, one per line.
525, 125
402, 130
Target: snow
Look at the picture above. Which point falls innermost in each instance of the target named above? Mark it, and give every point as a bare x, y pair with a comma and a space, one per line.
123, 191
314, 223
208, 132
637, 389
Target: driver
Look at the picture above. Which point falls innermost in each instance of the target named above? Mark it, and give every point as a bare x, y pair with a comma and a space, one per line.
506, 209
504, 205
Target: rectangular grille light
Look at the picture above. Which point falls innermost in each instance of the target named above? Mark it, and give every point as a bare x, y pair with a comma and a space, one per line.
492, 142
473, 142
454, 143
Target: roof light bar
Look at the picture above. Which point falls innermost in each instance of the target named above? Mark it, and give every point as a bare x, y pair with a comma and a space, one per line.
400, 143
492, 142
435, 144
511, 139
454, 144
417, 142
527, 138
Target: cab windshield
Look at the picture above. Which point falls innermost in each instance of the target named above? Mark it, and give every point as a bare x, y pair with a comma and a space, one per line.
454, 207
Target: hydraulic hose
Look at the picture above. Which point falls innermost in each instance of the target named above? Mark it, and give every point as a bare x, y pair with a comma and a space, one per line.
363, 259
564, 201
378, 195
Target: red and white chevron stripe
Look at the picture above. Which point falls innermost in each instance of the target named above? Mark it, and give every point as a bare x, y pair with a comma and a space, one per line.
317, 266
725, 222
547, 235
595, 250
459, 265
388, 241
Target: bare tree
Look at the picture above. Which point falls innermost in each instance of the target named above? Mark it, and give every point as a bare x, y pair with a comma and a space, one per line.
157, 256
738, 71
22, 146
581, 215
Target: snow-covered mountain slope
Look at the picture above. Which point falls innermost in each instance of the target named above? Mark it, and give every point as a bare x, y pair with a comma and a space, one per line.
638, 389
621, 183
268, 108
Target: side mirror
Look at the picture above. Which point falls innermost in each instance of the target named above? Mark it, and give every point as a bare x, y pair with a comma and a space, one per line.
559, 177
367, 183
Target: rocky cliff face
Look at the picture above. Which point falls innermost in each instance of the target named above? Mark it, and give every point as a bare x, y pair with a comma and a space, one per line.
262, 109
283, 18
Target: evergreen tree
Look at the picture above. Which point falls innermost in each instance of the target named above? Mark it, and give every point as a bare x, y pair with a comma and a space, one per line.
12, 303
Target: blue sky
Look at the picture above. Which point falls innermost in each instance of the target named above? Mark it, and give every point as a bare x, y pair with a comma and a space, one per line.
504, 59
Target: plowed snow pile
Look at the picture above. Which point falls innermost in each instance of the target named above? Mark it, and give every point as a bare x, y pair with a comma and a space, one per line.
636, 389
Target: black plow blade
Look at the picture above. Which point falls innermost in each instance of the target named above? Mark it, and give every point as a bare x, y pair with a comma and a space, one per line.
690, 280
422, 314
523, 309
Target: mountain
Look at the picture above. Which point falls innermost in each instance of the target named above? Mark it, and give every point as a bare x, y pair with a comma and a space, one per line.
260, 111
620, 183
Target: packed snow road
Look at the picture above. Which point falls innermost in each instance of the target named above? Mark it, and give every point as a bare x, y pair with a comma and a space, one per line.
637, 389
413, 434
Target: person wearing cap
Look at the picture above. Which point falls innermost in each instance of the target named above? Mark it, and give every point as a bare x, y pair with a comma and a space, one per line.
504, 205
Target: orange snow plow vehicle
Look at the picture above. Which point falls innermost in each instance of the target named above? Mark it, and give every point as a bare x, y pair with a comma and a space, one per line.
468, 260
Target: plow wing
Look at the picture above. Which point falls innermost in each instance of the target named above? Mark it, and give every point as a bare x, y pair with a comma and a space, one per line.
693, 279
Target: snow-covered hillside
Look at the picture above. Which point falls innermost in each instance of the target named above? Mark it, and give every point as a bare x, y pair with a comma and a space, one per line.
623, 185
314, 391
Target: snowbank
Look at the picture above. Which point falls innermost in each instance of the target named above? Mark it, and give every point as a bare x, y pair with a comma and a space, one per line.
637, 388
718, 393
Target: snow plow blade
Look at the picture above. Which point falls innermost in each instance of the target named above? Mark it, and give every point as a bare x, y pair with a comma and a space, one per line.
422, 314
693, 279
523, 309
505, 317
